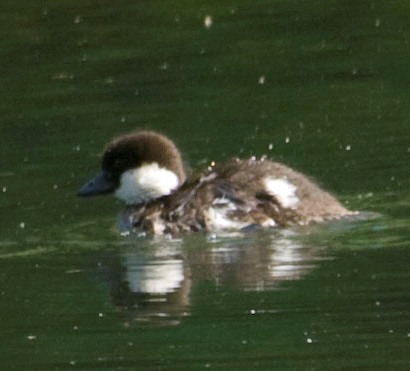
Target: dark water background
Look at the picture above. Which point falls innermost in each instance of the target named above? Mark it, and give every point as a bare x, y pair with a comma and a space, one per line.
321, 85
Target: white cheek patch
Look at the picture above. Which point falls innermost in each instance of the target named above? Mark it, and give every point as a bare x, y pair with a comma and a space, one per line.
283, 191
146, 183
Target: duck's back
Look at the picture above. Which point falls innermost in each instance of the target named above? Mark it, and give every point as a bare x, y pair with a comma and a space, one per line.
236, 194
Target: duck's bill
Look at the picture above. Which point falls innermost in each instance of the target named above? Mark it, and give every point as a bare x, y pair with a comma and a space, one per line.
99, 185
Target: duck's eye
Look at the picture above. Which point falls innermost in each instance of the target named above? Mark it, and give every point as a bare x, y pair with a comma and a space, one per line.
117, 164
113, 165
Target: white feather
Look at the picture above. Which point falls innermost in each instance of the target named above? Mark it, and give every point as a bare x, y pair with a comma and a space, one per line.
146, 183
283, 191
217, 217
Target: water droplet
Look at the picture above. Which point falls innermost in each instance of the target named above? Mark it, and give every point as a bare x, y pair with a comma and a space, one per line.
78, 19
208, 21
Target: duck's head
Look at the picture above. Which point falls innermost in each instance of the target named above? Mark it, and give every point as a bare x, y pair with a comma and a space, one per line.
137, 167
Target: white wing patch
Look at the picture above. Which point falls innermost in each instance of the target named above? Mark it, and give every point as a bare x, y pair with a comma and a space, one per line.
146, 183
217, 215
283, 191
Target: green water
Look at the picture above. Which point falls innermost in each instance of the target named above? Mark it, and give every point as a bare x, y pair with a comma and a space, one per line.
320, 85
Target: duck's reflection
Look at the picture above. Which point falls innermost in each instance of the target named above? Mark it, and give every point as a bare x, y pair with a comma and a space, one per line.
154, 282
156, 276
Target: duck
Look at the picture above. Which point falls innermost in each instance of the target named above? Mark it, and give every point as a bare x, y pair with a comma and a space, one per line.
145, 170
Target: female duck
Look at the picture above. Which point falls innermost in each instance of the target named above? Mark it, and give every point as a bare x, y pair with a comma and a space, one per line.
144, 169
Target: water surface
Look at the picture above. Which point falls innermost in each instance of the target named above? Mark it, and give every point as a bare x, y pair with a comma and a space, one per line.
320, 85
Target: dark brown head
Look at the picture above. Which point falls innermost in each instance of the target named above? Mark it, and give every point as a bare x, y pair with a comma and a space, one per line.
138, 167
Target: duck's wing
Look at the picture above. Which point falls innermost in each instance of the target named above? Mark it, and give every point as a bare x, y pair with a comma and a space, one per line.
233, 195
240, 193
272, 191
